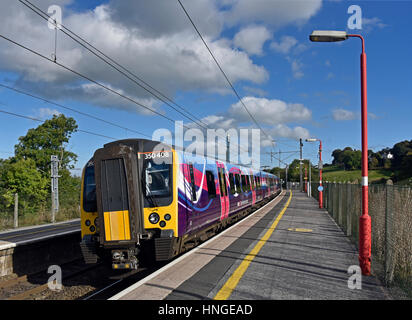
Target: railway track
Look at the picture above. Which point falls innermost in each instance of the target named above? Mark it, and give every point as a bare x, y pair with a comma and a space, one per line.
35, 286
79, 281
126, 281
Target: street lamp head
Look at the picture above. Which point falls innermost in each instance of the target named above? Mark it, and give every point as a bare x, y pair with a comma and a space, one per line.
311, 140
328, 36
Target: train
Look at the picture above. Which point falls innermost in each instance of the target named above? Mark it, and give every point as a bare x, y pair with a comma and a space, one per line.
144, 200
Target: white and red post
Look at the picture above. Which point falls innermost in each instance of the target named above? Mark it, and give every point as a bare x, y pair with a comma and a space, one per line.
365, 227
320, 176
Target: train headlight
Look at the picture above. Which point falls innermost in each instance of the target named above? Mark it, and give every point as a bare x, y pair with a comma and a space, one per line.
154, 218
162, 224
167, 217
87, 222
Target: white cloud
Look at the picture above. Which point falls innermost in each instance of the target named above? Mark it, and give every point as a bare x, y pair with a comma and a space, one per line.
275, 13
269, 111
372, 116
252, 38
169, 55
277, 118
297, 69
44, 113
368, 24
283, 131
284, 46
342, 115
330, 75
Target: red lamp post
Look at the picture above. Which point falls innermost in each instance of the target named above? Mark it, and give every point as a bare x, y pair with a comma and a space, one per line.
365, 220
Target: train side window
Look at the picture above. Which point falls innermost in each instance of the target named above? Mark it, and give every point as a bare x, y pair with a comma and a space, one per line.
243, 178
237, 181
232, 183
211, 186
222, 180
192, 180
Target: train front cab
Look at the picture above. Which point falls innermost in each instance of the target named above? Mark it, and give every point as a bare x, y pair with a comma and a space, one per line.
136, 207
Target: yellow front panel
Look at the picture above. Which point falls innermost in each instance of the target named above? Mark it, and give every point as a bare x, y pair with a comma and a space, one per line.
91, 216
116, 225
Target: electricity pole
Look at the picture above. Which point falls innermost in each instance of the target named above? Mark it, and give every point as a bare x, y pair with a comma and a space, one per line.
227, 148
300, 165
286, 176
310, 180
54, 186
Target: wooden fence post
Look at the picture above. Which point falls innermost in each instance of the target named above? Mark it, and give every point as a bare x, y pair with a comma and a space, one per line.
16, 210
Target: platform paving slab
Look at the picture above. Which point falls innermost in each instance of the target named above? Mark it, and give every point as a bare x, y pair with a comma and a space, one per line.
306, 257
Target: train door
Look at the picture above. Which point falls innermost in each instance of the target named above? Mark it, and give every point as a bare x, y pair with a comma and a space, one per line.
190, 194
224, 196
253, 187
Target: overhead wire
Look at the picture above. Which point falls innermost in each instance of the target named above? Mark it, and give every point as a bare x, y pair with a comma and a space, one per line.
72, 36
72, 109
221, 70
86, 77
87, 45
39, 120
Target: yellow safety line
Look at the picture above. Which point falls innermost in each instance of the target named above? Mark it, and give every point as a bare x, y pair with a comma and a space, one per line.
225, 292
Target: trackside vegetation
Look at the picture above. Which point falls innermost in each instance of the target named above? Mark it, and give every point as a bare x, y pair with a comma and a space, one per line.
27, 173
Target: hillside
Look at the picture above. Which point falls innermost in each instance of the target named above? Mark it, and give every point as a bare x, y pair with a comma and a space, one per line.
332, 173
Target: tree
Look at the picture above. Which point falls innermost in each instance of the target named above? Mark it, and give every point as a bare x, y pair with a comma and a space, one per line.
400, 150
28, 172
352, 159
22, 177
406, 165
294, 173
337, 157
46, 140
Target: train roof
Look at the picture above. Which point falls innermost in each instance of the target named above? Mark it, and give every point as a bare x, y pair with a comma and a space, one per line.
150, 144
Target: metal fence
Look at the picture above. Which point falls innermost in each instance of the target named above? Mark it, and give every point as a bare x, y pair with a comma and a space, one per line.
390, 208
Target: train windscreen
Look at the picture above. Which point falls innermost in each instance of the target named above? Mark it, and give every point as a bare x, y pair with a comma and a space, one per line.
157, 178
89, 190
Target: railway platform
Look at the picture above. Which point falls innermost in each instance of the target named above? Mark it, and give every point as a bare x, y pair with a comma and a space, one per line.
30, 249
288, 249
31, 234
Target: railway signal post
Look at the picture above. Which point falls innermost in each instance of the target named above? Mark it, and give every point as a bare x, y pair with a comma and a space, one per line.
364, 220
54, 186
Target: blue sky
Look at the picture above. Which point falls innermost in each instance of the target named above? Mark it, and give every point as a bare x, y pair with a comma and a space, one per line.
296, 88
